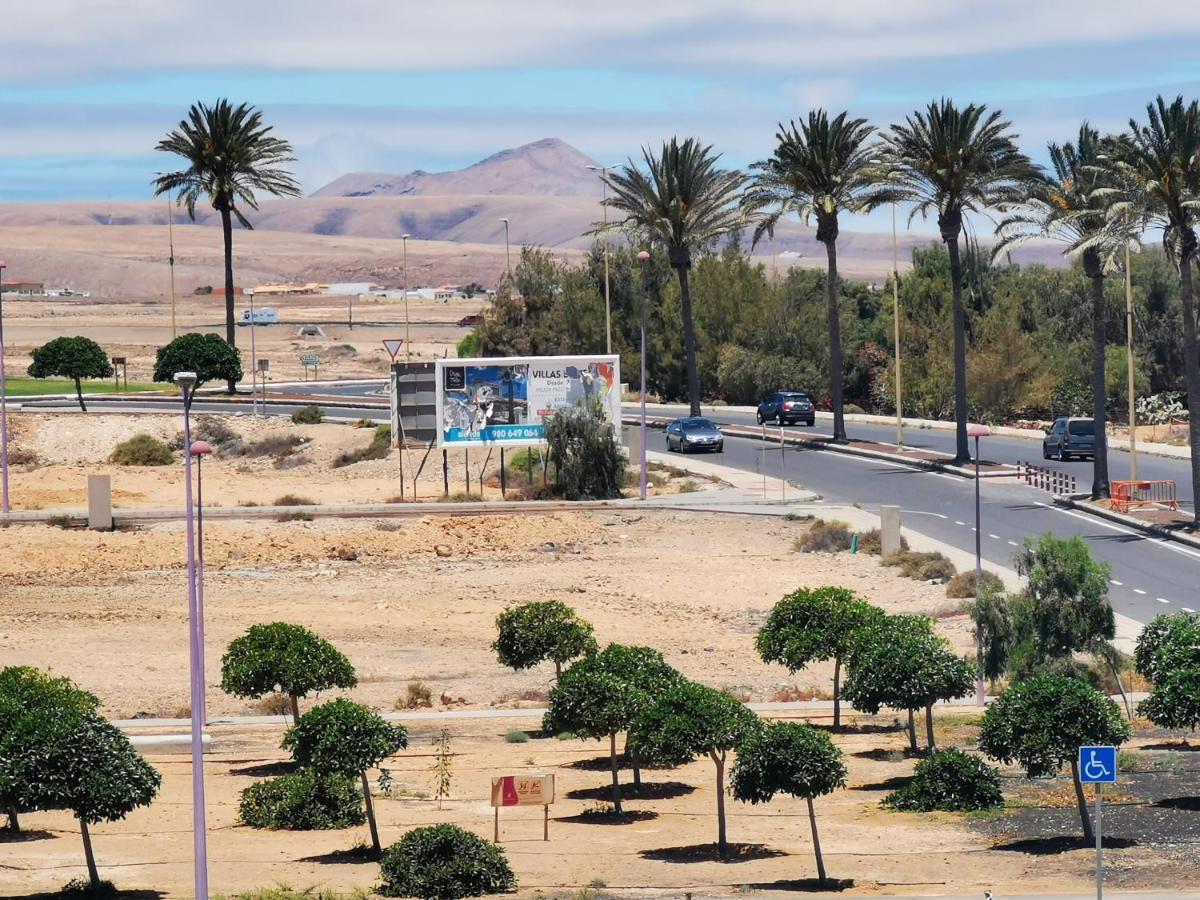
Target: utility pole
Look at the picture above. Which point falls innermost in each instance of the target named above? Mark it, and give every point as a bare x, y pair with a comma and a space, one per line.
603, 170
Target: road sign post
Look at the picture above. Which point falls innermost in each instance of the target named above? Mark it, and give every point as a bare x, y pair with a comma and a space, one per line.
392, 346
310, 361
1098, 766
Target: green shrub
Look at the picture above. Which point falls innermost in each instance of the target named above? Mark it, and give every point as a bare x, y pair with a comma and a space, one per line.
444, 862
142, 450
381, 444
952, 781
871, 542
962, 585
588, 461
825, 537
303, 801
747, 376
516, 736
213, 430
308, 415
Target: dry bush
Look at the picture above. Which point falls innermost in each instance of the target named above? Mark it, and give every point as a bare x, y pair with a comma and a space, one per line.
417, 695
921, 566
142, 450
272, 705
799, 695
296, 516
294, 500
276, 445
962, 585
824, 537
871, 542
380, 446
460, 497
20, 456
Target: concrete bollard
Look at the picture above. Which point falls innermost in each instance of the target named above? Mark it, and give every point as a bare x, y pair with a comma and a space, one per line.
99, 492
889, 529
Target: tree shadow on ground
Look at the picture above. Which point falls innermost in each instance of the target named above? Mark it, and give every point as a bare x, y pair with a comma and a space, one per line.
1062, 844
603, 764
804, 885
25, 834
649, 790
116, 894
890, 784
602, 817
693, 853
886, 754
1190, 804
360, 853
861, 728
267, 770
1179, 746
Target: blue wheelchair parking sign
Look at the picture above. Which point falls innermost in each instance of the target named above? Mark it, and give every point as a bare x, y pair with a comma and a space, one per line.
1098, 765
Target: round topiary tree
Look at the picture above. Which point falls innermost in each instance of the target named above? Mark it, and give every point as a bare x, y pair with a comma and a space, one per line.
208, 355
602, 695
546, 630
1040, 723
343, 737
286, 658
789, 758
444, 862
303, 801
691, 720
950, 781
814, 625
1168, 653
70, 357
66, 759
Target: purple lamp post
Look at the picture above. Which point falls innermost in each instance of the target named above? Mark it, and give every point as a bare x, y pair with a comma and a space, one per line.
977, 431
3, 401
201, 449
644, 259
187, 384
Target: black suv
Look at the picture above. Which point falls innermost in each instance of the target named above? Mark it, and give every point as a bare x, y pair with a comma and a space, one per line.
787, 408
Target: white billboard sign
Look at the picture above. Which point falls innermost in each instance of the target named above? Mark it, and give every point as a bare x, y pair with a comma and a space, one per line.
506, 401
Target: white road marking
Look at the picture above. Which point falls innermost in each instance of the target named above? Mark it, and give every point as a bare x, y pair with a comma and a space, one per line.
1139, 591
956, 522
921, 512
1013, 544
994, 537
1187, 609
1117, 583
1162, 542
1161, 600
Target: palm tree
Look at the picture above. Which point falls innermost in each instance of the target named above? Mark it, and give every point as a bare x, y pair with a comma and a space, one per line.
952, 161
1161, 159
684, 202
230, 155
819, 169
1070, 207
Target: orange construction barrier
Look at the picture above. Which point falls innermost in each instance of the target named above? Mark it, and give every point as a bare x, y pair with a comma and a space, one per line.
1127, 495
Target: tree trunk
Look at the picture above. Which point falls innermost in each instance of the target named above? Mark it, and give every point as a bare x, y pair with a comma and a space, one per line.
371, 814
1112, 667
14, 824
79, 393
612, 764
1081, 802
93, 874
634, 763
834, 325
837, 693
557, 670
912, 733
1191, 364
1099, 392
230, 323
689, 341
929, 729
812, 821
722, 843
295, 708
962, 450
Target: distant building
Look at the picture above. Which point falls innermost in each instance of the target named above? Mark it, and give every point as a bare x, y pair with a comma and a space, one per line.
448, 292
276, 289
351, 288
30, 288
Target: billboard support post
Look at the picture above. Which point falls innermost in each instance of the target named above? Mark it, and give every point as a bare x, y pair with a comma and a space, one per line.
445, 474
503, 476
467, 468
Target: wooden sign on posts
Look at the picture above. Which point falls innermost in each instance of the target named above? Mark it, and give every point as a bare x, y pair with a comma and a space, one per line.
120, 361
523, 790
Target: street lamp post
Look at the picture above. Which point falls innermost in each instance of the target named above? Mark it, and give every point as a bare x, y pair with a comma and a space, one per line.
407, 340
253, 359
200, 449
1129, 366
978, 431
644, 258
507, 257
603, 170
3, 402
171, 259
187, 384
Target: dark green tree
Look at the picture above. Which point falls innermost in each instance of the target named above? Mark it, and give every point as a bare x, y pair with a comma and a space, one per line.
445, 862
813, 625
1041, 723
70, 357
819, 169
63, 758
602, 695
211, 358
789, 758
949, 161
949, 781
230, 155
684, 203
1168, 653
343, 737
286, 658
693, 720
589, 463
992, 615
532, 633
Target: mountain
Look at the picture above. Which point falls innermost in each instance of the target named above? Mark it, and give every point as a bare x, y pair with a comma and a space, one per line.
548, 167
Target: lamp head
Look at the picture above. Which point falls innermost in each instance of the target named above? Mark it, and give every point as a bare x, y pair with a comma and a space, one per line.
201, 448
976, 430
185, 380
3, 264
405, 237
643, 256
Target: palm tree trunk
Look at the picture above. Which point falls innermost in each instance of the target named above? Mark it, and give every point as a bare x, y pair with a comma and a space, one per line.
366, 786
79, 393
1099, 391
230, 324
962, 450
1081, 802
722, 842
837, 693
1191, 364
612, 765
93, 873
812, 822
689, 341
833, 322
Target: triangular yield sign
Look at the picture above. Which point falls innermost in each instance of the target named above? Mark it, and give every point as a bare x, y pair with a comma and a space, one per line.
393, 346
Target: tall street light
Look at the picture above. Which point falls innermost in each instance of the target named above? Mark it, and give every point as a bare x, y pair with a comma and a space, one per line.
1129, 366
603, 170
407, 340
978, 431
200, 449
644, 258
3, 401
187, 384
507, 258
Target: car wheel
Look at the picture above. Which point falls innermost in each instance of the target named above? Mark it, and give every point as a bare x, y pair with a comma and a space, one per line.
758, 415
1063, 455
1045, 452
721, 447
811, 422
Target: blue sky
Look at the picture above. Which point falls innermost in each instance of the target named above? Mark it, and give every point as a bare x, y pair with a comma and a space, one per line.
91, 85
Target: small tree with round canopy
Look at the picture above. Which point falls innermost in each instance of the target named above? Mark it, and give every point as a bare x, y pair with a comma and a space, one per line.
1041, 723
283, 657
545, 630
789, 758
71, 357
210, 357
1168, 653
345, 738
67, 759
692, 720
813, 625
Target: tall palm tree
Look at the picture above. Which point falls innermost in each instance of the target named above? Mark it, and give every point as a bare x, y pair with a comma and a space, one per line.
1161, 158
1070, 207
952, 161
819, 169
230, 154
684, 202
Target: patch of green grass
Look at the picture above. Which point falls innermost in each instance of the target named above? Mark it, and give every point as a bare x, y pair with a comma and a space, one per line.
516, 736
35, 387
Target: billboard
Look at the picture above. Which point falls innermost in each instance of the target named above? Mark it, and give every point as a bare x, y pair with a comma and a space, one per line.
506, 401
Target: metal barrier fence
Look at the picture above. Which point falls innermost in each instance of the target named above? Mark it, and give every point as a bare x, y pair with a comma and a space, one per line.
1127, 495
1046, 479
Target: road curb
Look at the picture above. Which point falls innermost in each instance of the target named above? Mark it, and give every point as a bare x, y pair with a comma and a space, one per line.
1076, 503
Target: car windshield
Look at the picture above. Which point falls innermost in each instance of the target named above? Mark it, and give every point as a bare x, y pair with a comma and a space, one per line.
698, 425
1081, 427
